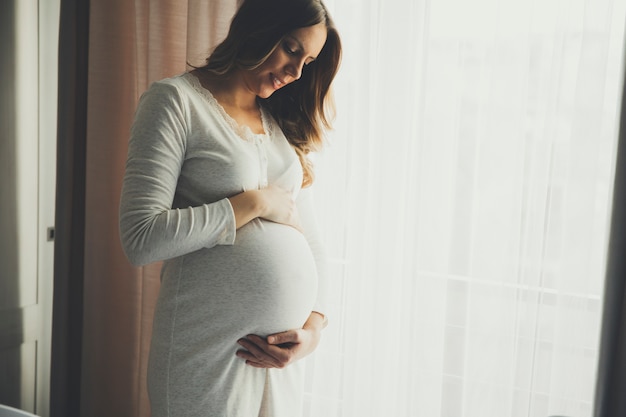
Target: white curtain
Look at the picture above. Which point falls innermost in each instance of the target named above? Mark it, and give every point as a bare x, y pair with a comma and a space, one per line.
465, 200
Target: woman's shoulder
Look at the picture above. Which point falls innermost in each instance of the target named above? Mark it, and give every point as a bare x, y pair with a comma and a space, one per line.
177, 90
170, 85
186, 86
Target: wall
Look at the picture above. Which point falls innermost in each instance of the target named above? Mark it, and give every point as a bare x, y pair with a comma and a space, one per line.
28, 76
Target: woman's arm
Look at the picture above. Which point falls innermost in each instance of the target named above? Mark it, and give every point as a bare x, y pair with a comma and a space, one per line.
306, 209
150, 229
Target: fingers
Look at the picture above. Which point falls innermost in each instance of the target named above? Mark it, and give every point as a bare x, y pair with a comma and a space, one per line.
290, 336
260, 354
280, 207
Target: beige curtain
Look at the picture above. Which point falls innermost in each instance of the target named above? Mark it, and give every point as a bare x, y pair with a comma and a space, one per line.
131, 44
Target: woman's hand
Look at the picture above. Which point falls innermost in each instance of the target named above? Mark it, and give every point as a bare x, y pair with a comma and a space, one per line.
279, 206
281, 349
271, 203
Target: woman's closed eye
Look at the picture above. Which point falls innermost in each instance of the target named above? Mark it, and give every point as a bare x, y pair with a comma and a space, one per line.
290, 47
293, 47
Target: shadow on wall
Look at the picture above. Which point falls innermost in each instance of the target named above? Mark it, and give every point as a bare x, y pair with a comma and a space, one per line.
11, 320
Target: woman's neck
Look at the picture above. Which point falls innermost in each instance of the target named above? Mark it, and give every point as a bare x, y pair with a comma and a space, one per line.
230, 91
235, 98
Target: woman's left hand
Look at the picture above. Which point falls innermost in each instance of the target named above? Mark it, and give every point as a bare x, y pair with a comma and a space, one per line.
281, 349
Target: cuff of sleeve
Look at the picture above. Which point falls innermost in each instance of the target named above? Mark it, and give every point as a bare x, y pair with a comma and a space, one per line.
229, 231
322, 306
325, 322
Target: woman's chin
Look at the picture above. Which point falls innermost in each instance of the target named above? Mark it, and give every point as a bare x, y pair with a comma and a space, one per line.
266, 92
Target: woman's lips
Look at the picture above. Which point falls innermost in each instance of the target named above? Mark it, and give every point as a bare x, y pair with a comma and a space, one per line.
277, 82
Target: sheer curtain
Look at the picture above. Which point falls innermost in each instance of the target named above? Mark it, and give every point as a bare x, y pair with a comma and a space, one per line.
465, 197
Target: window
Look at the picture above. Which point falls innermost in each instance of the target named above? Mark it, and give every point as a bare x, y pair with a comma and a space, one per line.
465, 197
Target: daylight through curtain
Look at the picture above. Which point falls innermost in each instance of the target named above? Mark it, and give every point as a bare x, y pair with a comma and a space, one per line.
465, 199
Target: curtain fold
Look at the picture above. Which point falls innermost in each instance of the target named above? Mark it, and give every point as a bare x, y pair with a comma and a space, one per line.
67, 320
611, 384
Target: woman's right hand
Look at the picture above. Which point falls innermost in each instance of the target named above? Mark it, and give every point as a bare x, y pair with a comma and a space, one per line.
272, 203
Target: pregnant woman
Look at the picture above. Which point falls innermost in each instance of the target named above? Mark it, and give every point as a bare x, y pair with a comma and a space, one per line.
216, 186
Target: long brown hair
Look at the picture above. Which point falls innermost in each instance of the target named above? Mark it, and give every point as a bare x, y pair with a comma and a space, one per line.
303, 109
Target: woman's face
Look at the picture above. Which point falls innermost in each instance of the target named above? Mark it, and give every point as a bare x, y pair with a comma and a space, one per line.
285, 64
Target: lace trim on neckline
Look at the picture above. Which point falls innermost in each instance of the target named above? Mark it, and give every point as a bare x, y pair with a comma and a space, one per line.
243, 131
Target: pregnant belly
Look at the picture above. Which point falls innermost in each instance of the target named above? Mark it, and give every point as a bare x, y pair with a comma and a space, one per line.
265, 283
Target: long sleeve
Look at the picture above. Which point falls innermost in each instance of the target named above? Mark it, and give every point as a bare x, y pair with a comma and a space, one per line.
309, 225
150, 229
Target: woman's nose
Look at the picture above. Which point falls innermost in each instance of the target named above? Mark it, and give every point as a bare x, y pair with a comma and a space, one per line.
295, 69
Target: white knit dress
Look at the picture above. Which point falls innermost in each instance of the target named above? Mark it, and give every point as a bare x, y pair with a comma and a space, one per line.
186, 156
